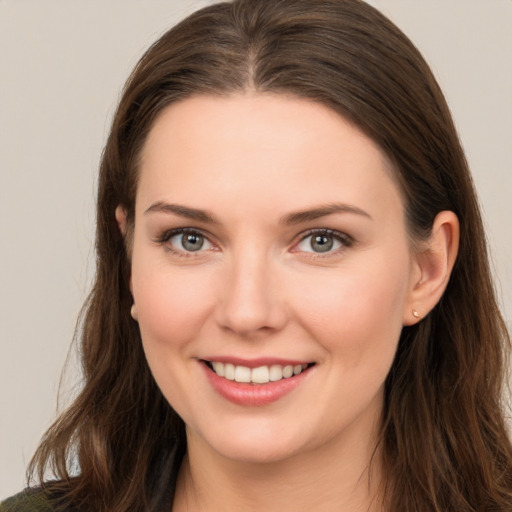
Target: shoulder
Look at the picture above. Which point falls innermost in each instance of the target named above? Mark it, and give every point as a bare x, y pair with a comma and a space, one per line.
29, 500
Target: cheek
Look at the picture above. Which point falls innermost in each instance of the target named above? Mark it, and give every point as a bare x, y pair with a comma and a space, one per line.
172, 305
357, 313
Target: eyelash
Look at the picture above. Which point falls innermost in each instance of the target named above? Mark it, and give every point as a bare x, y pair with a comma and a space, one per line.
345, 240
167, 235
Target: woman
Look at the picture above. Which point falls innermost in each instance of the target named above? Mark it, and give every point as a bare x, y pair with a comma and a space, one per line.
292, 308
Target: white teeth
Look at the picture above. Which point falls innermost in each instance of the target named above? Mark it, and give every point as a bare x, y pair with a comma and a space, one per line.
276, 372
260, 375
288, 371
229, 371
242, 374
219, 369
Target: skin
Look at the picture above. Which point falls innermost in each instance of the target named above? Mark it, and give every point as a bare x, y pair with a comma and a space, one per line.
257, 288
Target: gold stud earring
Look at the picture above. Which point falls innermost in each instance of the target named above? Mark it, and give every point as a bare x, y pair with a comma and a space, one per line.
133, 312
415, 314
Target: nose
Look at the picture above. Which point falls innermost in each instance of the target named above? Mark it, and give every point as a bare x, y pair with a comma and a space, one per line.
250, 301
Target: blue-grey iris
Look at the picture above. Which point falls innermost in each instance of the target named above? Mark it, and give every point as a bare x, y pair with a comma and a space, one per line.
321, 243
192, 241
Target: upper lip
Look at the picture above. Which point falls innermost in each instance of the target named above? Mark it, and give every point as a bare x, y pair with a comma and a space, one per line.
255, 362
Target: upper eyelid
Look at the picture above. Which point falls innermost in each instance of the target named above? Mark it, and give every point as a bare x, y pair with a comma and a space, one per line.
169, 233
319, 231
164, 238
343, 238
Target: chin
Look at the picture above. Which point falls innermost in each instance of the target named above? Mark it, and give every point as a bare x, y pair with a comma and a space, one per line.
257, 444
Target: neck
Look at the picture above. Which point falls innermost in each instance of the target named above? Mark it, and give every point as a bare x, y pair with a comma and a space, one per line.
342, 476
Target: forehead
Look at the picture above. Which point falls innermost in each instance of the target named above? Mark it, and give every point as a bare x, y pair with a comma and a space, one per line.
282, 150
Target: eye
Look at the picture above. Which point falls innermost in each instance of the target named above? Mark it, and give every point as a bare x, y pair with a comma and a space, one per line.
323, 241
186, 240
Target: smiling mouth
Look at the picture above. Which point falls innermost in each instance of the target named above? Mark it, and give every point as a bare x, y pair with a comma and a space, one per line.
260, 375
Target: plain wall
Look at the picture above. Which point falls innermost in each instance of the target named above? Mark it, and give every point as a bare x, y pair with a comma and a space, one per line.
62, 65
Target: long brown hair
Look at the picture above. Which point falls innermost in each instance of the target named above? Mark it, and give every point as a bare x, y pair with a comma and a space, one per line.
443, 437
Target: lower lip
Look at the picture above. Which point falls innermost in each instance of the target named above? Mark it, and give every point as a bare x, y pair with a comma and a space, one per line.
253, 395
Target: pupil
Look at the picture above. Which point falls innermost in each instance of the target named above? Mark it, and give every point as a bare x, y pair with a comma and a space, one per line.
321, 243
192, 242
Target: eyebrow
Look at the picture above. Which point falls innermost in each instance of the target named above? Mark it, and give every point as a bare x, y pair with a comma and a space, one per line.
288, 219
321, 211
182, 211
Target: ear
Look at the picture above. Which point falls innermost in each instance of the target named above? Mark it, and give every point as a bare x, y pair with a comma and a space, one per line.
434, 262
121, 219
122, 224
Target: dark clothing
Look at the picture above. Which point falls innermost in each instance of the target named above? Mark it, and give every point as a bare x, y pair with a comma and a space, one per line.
29, 500
44, 500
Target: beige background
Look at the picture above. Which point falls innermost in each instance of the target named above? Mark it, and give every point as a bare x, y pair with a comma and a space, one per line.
62, 65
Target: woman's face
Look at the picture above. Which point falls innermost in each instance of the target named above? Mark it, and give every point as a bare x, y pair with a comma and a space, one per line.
269, 239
